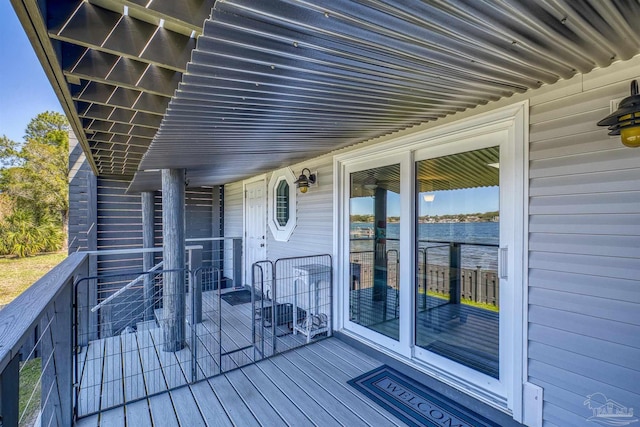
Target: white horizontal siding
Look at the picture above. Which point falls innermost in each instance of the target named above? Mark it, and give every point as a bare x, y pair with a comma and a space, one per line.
313, 234
584, 263
233, 195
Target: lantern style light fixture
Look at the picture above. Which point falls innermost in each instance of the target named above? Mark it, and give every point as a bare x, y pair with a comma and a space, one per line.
625, 121
304, 180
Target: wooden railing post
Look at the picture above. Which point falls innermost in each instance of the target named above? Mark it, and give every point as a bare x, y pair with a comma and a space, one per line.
9, 392
173, 296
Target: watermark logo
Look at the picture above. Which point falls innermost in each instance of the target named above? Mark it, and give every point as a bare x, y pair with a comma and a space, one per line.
608, 412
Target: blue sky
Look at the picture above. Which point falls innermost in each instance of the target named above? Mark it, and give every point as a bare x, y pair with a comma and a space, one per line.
26, 91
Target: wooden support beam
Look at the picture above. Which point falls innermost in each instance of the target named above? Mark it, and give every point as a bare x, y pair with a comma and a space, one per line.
148, 241
173, 295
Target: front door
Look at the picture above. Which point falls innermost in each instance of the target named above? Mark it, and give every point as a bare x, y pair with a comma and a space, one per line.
255, 225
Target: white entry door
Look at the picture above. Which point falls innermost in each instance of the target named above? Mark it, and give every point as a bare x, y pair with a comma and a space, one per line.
255, 225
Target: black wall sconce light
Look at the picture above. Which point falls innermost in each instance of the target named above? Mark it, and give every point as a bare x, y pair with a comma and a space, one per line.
304, 180
625, 121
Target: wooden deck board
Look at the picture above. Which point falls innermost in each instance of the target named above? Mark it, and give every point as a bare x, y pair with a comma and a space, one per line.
137, 414
207, 351
186, 408
307, 386
113, 418
152, 372
210, 407
91, 379
292, 389
288, 411
90, 421
112, 381
162, 410
318, 359
134, 387
168, 362
311, 387
253, 399
237, 411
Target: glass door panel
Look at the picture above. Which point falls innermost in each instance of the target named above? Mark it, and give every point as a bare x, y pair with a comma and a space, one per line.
374, 236
457, 238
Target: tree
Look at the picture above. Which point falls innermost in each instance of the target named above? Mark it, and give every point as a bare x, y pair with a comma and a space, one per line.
35, 179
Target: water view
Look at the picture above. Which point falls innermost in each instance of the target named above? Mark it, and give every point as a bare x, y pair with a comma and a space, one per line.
434, 235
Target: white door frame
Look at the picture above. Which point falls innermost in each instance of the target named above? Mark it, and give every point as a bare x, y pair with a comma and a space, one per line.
245, 257
511, 121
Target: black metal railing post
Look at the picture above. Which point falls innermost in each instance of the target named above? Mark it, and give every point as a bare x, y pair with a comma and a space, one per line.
455, 264
196, 317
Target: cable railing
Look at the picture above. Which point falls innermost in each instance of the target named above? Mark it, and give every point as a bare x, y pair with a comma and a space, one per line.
455, 270
36, 381
121, 355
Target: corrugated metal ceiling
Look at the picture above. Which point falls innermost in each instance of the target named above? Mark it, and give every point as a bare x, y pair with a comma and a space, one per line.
472, 169
276, 82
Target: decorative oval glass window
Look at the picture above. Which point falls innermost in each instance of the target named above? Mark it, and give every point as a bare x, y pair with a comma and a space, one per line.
282, 204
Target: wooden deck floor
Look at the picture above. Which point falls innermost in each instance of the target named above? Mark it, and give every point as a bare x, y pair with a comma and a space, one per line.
305, 386
127, 367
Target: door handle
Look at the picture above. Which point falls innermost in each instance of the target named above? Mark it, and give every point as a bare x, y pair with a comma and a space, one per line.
504, 260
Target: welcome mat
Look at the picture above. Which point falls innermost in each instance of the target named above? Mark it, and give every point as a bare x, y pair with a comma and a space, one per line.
238, 297
414, 403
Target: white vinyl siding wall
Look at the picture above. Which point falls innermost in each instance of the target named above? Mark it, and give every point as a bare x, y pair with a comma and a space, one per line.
584, 250
233, 226
233, 221
313, 234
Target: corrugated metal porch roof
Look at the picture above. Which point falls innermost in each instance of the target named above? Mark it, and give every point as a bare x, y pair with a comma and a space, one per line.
271, 83
276, 82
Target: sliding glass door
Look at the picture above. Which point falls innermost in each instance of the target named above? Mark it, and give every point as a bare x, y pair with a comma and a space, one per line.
374, 250
457, 312
431, 250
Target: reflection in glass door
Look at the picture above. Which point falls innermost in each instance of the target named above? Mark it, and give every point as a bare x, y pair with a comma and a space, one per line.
457, 238
374, 212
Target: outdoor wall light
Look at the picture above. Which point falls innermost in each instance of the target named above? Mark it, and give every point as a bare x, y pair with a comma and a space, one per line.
625, 121
304, 180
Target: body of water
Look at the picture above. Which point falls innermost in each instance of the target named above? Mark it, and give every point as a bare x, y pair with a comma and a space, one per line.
472, 235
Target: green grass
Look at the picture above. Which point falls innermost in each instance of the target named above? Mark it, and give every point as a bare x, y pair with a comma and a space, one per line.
17, 274
28, 381
468, 302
